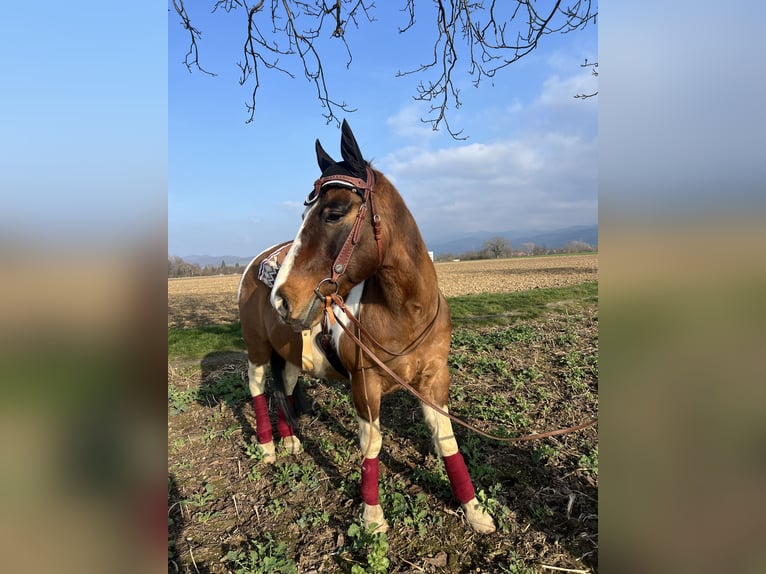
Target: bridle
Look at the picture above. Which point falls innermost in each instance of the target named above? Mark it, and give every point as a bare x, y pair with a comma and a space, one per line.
366, 190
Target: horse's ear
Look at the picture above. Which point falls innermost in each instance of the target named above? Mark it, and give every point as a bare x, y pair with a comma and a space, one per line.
350, 151
323, 158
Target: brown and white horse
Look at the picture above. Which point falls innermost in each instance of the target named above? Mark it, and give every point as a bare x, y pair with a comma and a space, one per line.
358, 246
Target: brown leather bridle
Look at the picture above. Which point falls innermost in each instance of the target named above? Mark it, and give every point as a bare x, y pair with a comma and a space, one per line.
366, 190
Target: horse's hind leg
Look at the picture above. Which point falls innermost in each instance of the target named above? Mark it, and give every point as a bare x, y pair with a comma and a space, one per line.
286, 379
256, 375
460, 481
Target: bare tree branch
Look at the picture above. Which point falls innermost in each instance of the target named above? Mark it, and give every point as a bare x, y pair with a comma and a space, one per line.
594, 72
192, 56
487, 47
476, 37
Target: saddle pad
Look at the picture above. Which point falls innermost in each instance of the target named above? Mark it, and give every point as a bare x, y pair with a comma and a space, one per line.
267, 271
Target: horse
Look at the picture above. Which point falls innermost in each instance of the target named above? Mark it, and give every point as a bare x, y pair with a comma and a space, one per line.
358, 268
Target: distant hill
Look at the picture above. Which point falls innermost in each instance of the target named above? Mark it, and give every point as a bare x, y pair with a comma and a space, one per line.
469, 242
550, 239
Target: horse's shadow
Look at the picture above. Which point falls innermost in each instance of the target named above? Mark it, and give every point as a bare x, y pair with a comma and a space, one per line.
224, 380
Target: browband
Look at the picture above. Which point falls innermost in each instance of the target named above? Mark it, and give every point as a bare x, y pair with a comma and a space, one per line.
355, 184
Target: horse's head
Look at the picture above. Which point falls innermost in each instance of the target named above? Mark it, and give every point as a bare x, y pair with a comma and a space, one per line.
338, 244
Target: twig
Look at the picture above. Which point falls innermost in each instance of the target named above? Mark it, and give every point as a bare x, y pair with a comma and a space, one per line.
564, 569
192, 556
234, 498
411, 564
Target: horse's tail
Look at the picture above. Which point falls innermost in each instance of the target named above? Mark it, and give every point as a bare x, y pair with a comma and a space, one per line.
301, 403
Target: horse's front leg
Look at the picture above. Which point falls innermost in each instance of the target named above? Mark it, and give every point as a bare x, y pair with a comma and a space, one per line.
457, 472
366, 394
256, 380
290, 442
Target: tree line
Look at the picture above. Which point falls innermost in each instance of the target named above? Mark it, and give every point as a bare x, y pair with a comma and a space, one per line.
500, 248
495, 248
177, 267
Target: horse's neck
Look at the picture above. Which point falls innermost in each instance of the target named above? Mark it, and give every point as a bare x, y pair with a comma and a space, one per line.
406, 281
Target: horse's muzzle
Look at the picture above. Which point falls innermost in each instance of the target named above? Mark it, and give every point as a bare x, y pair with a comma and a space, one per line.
286, 313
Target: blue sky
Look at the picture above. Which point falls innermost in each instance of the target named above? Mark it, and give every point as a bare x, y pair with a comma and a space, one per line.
530, 162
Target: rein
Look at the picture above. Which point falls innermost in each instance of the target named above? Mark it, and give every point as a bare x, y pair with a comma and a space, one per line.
338, 300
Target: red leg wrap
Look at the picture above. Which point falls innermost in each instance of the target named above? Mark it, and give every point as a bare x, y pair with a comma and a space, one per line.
369, 487
262, 422
459, 479
283, 427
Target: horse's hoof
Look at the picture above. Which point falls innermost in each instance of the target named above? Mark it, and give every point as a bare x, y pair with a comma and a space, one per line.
478, 518
292, 444
372, 516
268, 451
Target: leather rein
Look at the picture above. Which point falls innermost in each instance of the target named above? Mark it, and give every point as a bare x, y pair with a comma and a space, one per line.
365, 189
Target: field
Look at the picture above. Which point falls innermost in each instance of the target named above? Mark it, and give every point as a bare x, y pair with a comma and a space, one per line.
524, 359
196, 301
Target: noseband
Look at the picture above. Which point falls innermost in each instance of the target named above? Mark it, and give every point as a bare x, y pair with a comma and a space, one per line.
365, 189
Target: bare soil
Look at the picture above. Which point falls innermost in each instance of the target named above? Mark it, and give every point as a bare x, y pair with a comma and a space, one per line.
197, 301
224, 504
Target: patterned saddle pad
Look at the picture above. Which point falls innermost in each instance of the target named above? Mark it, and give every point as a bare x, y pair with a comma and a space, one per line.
267, 271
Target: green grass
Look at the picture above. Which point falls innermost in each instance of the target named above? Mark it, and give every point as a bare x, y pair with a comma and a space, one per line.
263, 556
196, 342
506, 308
484, 309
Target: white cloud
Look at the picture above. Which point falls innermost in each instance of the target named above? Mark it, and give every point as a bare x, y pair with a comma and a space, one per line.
535, 169
538, 181
559, 91
407, 123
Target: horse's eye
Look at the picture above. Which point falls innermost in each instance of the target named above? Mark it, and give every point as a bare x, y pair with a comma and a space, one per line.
334, 216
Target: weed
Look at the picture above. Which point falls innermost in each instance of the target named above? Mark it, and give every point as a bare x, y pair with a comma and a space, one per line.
489, 366
208, 435
201, 498
294, 475
265, 556
541, 512
180, 400
277, 506
349, 486
589, 462
432, 475
228, 389
253, 452
374, 546
494, 502
413, 510
544, 453
516, 565
203, 517
254, 474
185, 465
479, 470
499, 411
313, 517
